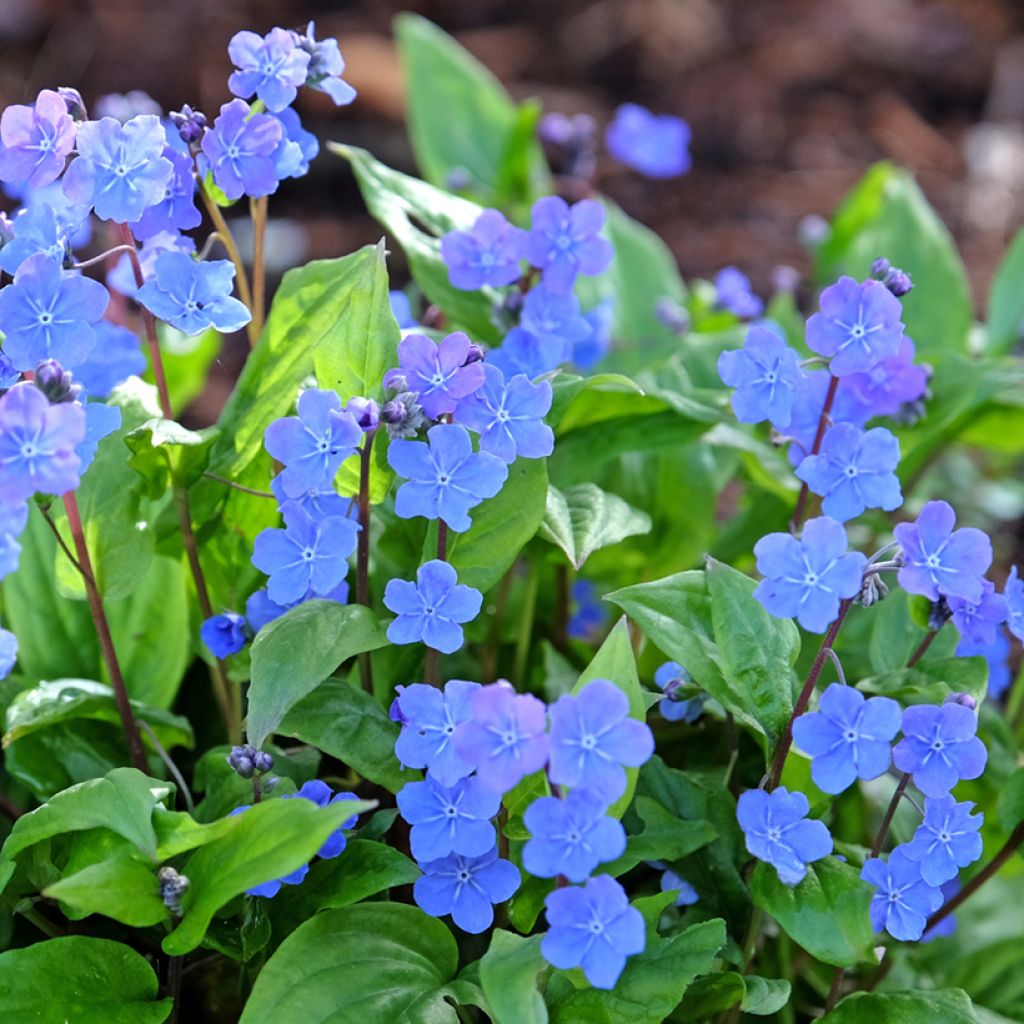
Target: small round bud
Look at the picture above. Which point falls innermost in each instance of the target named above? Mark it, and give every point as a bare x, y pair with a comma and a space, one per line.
396, 380
73, 101
191, 124
403, 416
672, 315
173, 887
880, 268
458, 179
262, 762
365, 411
964, 699
898, 282
872, 590
475, 354
56, 383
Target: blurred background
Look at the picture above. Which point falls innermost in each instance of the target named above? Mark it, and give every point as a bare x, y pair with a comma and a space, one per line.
789, 101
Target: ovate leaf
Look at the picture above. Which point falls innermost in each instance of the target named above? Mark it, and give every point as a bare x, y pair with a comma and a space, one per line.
583, 518
950, 1006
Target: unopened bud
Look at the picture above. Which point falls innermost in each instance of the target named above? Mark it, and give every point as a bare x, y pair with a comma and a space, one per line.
475, 354
403, 416
963, 699
672, 315
898, 282
173, 887
191, 124
56, 383
872, 590
365, 411
73, 101
248, 761
880, 268
396, 380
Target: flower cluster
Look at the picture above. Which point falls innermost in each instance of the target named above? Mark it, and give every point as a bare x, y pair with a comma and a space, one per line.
477, 743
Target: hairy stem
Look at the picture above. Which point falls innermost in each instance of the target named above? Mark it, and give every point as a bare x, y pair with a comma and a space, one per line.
363, 549
801, 501
99, 618
779, 760
258, 212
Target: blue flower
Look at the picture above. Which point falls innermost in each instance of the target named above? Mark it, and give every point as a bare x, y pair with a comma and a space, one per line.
979, 621
429, 719
100, 421
308, 555
939, 747
326, 66
432, 609
439, 373
312, 445
176, 210
947, 840
240, 148
115, 357
808, 403
848, 737
1014, 593
522, 353
319, 793
589, 351
122, 277
893, 383
120, 169
657, 146
947, 926
997, 654
13, 517
592, 737
765, 374
555, 322
903, 900
854, 471
319, 502
194, 295
37, 140
8, 652
36, 229
589, 614
466, 888
672, 677
46, 314
564, 241
225, 634
446, 478
571, 837
807, 578
940, 561
858, 326
37, 444
296, 148
733, 293
446, 820
509, 417
401, 309
592, 927
260, 610
670, 881
504, 738
487, 254
777, 831
272, 67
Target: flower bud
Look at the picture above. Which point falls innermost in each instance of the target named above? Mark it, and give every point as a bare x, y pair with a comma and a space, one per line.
262, 762
365, 411
872, 590
898, 282
963, 699
672, 315
173, 887
73, 101
403, 416
191, 124
396, 380
56, 383
880, 268
475, 354
248, 761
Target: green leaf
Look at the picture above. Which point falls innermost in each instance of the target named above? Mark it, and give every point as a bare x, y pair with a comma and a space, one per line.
566, 387
711, 623
887, 214
267, 841
121, 887
1006, 300
122, 802
294, 654
948, 1006
502, 526
652, 984
346, 723
416, 215
373, 962
459, 115
664, 837
508, 976
827, 913
187, 360
764, 996
1010, 803
583, 519
928, 682
166, 454
80, 980
70, 700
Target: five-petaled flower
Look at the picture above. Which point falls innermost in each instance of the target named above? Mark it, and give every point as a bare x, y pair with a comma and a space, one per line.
271, 67
429, 720
939, 747
734, 293
194, 295
556, 323
765, 374
655, 145
778, 831
940, 561
466, 888
807, 578
979, 621
592, 927
326, 66
848, 737
439, 373
903, 900
947, 840
433, 609
564, 241
593, 737
445, 478
37, 140
487, 254
854, 471
449, 819
312, 445
177, 210
240, 148
504, 738
858, 326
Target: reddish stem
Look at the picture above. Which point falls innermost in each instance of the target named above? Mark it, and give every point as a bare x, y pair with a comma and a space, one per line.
819, 436
922, 647
363, 550
890, 813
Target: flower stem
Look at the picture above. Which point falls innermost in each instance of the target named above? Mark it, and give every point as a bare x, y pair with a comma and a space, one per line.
890, 813
801, 501
99, 618
363, 549
922, 647
258, 212
779, 760
990, 869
